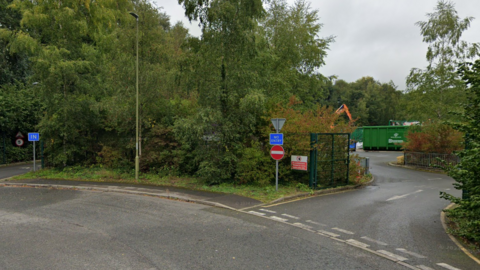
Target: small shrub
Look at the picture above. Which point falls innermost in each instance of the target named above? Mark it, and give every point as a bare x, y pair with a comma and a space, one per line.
254, 167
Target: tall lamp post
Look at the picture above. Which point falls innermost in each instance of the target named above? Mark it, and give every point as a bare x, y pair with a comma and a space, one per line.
137, 159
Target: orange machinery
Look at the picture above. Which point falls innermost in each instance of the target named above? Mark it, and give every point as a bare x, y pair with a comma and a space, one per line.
342, 109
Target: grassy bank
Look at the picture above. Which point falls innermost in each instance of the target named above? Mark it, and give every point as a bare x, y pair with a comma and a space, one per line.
97, 174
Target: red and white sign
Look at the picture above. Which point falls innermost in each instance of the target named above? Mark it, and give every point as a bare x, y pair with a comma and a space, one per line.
277, 152
300, 163
19, 142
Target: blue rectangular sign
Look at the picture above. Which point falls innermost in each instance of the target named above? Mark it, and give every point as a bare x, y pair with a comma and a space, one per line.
33, 137
276, 138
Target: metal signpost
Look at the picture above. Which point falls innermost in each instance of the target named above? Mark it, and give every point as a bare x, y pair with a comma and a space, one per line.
33, 137
277, 153
276, 139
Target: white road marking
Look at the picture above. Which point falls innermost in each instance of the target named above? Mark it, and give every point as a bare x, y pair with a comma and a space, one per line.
256, 213
343, 231
316, 223
374, 241
278, 218
434, 179
403, 196
394, 256
411, 253
357, 243
328, 233
301, 225
287, 215
268, 211
446, 266
447, 189
423, 267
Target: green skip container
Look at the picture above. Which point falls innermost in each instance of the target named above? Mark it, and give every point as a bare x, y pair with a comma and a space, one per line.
384, 137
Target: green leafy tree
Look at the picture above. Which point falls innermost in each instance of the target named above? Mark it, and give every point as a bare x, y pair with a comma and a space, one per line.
370, 102
467, 173
62, 36
438, 89
14, 65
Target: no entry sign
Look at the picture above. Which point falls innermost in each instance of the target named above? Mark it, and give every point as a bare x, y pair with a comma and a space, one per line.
277, 152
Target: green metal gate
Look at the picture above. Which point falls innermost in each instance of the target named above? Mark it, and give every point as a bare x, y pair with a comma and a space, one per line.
329, 159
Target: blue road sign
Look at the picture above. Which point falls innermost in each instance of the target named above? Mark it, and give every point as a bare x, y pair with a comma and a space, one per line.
33, 137
276, 138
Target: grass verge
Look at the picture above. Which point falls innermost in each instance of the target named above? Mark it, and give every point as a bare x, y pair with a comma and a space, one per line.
96, 174
470, 246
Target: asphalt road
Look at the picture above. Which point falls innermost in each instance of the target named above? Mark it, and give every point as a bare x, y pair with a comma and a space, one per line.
67, 229
9, 171
398, 215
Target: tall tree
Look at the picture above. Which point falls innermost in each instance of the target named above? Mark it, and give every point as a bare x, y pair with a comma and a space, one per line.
466, 214
14, 64
63, 36
438, 89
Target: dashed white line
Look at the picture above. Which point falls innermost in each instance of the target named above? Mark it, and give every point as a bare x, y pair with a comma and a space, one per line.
423, 267
411, 253
328, 233
403, 196
301, 225
316, 223
278, 218
357, 243
394, 256
446, 266
374, 241
268, 211
290, 216
343, 231
257, 213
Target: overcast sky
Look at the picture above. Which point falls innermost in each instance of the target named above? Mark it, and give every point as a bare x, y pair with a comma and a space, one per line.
376, 38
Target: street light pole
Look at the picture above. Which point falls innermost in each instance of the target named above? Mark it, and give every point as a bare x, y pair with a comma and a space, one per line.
137, 159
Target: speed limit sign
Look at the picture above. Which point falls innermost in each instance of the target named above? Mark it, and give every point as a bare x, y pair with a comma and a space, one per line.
19, 142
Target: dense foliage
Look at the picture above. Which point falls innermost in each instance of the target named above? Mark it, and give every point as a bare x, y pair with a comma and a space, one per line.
432, 137
467, 173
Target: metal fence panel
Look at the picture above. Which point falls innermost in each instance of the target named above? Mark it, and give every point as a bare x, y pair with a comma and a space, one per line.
432, 160
330, 159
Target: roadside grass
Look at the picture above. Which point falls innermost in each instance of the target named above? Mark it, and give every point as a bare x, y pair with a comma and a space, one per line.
452, 228
264, 194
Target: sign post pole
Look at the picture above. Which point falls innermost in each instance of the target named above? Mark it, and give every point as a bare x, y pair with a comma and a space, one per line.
276, 176
33, 137
34, 167
277, 140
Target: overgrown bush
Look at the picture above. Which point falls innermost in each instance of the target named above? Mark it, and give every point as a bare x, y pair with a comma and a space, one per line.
433, 137
255, 166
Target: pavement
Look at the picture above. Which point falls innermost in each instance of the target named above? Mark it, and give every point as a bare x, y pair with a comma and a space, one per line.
229, 201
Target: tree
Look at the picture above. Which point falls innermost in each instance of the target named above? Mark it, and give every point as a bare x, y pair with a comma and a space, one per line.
467, 172
438, 89
62, 36
14, 65
372, 102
